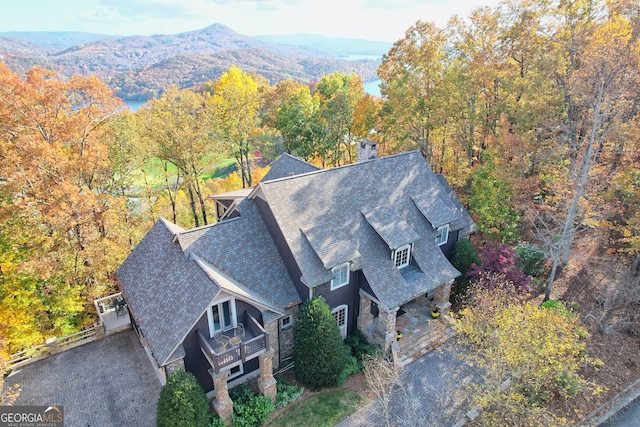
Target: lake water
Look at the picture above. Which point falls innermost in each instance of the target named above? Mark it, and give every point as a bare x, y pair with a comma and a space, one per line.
134, 104
372, 87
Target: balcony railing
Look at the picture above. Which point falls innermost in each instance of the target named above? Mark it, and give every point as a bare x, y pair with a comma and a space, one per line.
255, 342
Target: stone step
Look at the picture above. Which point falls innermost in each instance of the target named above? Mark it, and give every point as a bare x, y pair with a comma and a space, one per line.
424, 345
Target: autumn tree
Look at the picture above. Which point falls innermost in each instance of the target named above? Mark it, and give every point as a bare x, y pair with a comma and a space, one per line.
175, 126
600, 87
524, 353
411, 75
61, 218
298, 120
234, 108
339, 95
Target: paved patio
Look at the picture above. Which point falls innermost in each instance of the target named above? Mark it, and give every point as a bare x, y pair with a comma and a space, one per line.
108, 382
426, 394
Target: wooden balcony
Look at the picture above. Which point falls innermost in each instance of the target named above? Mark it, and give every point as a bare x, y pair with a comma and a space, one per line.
253, 344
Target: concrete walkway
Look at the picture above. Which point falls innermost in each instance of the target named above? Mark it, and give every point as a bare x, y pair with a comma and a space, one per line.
108, 382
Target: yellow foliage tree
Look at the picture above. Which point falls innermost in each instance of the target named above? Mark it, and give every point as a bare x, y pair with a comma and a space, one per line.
524, 354
57, 203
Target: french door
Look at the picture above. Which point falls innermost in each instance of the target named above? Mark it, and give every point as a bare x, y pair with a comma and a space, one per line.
222, 316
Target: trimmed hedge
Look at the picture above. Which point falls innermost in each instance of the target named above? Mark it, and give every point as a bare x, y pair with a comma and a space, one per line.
182, 402
318, 350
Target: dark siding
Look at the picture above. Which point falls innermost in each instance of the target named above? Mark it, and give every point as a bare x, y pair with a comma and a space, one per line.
283, 248
196, 363
344, 295
242, 307
194, 360
447, 248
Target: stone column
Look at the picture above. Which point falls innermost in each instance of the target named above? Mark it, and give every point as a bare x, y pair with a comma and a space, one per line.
365, 318
387, 328
441, 297
266, 383
222, 403
274, 339
100, 332
52, 345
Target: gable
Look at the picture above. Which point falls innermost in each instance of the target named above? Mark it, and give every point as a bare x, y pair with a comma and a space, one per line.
394, 231
166, 290
437, 208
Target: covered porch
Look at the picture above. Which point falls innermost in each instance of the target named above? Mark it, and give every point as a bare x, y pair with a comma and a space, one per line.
231, 349
235, 346
410, 330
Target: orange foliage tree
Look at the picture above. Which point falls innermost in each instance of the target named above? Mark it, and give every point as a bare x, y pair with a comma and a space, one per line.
56, 201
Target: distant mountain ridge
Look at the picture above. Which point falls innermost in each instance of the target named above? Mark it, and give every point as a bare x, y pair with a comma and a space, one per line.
140, 67
340, 47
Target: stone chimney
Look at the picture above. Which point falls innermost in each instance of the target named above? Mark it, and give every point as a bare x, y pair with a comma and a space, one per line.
367, 150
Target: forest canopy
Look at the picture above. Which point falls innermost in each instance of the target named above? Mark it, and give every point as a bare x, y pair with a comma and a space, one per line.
532, 106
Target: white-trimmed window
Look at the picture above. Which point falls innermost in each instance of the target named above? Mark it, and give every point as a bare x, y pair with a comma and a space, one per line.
442, 234
340, 276
402, 256
222, 316
286, 322
340, 314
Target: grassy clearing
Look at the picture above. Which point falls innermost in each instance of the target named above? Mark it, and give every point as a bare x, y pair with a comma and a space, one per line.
324, 409
155, 172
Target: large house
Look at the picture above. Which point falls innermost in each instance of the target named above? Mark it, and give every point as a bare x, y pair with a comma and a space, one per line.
220, 300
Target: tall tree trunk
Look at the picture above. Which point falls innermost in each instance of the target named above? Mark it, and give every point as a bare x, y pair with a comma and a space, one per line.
568, 227
248, 165
192, 203
172, 199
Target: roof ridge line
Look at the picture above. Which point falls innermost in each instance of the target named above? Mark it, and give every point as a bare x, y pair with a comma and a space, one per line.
340, 167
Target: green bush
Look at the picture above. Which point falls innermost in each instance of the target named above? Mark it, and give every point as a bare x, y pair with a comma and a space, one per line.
532, 259
216, 421
360, 346
287, 393
552, 304
251, 409
351, 368
318, 349
463, 257
182, 402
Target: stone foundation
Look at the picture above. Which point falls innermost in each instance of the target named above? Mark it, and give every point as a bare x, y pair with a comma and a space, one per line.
266, 383
365, 318
174, 366
441, 297
222, 403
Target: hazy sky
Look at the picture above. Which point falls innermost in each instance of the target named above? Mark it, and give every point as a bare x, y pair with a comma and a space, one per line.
384, 20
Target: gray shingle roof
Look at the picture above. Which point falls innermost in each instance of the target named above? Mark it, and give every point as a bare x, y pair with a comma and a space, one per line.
172, 276
288, 165
243, 249
394, 232
437, 207
333, 200
166, 291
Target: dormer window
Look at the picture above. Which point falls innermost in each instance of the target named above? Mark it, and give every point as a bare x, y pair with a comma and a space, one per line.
402, 256
442, 234
340, 276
